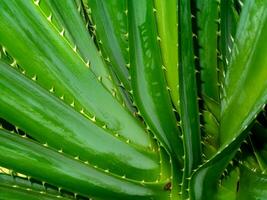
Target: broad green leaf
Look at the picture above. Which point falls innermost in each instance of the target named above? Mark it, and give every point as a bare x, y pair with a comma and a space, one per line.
49, 120
247, 69
207, 18
167, 23
189, 112
14, 187
65, 16
56, 66
252, 185
229, 186
111, 27
228, 25
203, 183
149, 86
210, 139
9, 192
45, 164
239, 108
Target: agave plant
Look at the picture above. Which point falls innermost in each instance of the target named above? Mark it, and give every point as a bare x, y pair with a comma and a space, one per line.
133, 99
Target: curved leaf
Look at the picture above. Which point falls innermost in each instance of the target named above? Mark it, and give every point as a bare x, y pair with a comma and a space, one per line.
188, 95
65, 15
47, 119
56, 66
12, 187
45, 164
149, 86
207, 18
111, 27
239, 107
252, 185
167, 22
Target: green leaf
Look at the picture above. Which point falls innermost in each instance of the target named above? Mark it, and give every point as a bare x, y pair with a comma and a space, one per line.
207, 18
239, 108
167, 22
228, 26
188, 95
15, 187
252, 185
54, 64
149, 86
111, 27
229, 186
47, 119
9, 192
247, 69
203, 183
58, 169
68, 21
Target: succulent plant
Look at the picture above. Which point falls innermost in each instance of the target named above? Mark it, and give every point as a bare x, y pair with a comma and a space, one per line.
133, 99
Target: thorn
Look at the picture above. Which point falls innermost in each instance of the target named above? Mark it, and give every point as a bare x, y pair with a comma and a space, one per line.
36, 2
49, 18
93, 119
4, 50
227, 62
240, 2
107, 59
232, 39
82, 111
52, 89
218, 21
87, 64
79, 8
104, 126
75, 48
72, 104
62, 32
34, 78
126, 12
14, 63
229, 49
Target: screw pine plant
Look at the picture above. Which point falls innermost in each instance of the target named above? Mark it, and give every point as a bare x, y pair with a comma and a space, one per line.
133, 99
